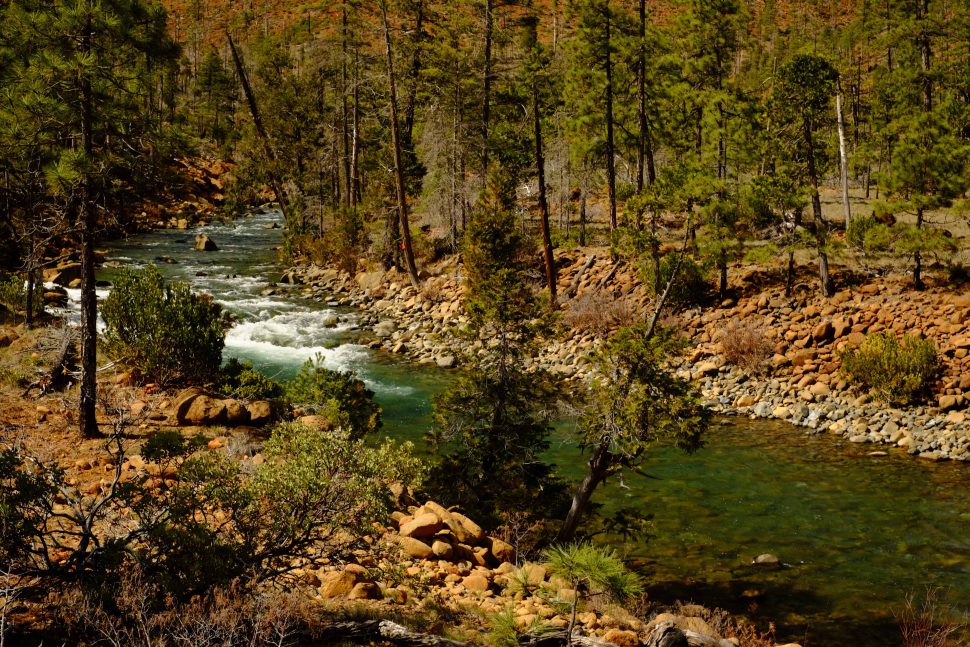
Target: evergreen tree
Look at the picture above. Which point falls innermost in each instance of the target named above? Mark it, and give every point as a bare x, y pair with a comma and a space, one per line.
90, 77
493, 423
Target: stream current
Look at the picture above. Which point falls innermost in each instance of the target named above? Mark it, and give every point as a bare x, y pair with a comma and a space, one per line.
857, 532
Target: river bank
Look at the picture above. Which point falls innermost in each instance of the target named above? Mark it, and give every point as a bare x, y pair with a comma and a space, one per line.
803, 334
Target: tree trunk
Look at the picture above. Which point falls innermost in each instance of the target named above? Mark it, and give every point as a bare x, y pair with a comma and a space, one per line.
641, 96
375, 632
917, 257
843, 157
344, 112
820, 227
402, 203
89, 302
596, 472
582, 219
486, 90
268, 151
543, 201
610, 149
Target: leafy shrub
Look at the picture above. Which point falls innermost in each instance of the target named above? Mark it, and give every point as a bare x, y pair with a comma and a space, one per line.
13, 296
745, 345
242, 381
897, 372
341, 397
11, 291
214, 524
689, 288
958, 273
867, 234
165, 331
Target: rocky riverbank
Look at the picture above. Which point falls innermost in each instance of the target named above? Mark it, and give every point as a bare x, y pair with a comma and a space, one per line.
798, 380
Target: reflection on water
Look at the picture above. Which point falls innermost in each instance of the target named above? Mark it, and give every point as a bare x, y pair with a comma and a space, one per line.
857, 533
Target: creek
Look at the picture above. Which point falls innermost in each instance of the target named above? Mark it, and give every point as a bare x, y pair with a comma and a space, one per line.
857, 532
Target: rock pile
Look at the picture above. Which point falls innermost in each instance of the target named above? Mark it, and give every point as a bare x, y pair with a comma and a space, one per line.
442, 555
195, 407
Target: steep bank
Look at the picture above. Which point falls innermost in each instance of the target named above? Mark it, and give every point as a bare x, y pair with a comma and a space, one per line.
801, 383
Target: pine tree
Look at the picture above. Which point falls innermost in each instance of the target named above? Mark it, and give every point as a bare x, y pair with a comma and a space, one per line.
89, 77
493, 423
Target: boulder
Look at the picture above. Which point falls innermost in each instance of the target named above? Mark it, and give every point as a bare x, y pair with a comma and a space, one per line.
442, 549
204, 411
424, 525
767, 560
323, 423
260, 412
205, 244
8, 337
500, 550
446, 361
475, 582
236, 412
622, 637
385, 328
947, 402
335, 584
415, 548
63, 274
182, 402
365, 591
473, 530
823, 331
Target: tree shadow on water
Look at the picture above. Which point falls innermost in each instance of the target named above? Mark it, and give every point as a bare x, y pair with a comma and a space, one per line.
799, 615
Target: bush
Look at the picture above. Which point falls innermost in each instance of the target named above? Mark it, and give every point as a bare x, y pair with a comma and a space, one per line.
867, 234
745, 345
214, 523
690, 286
241, 381
341, 397
897, 372
165, 331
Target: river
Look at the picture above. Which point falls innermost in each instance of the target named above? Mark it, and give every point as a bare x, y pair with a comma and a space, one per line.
857, 532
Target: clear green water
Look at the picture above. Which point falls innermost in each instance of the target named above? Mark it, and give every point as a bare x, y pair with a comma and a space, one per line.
857, 533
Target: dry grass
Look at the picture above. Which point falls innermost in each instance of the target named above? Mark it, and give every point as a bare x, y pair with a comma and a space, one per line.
930, 622
745, 345
601, 313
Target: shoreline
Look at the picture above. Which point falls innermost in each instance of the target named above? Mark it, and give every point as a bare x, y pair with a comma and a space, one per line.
802, 386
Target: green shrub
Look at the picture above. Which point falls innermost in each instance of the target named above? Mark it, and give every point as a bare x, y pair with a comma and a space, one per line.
897, 372
165, 331
13, 296
338, 396
867, 234
242, 381
689, 288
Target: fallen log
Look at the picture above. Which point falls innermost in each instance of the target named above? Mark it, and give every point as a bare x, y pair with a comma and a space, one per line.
574, 286
558, 639
369, 631
609, 276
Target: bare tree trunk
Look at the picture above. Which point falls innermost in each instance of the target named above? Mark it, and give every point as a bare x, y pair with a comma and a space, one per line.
843, 157
487, 89
267, 145
645, 156
402, 201
597, 470
543, 201
344, 111
917, 257
610, 148
820, 226
355, 191
89, 301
